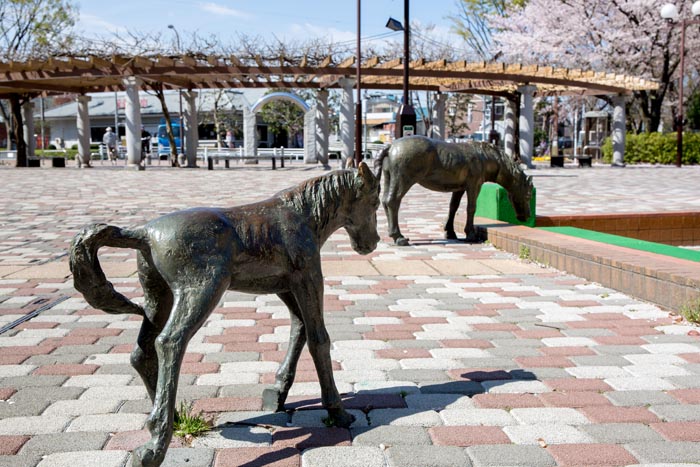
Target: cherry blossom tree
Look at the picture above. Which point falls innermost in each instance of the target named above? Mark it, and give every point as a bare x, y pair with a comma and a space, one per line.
619, 36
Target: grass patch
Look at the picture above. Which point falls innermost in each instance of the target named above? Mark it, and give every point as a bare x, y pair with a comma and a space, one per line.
188, 424
524, 252
691, 311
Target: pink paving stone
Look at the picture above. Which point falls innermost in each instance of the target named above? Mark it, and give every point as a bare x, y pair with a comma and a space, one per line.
495, 327
467, 435
12, 359
543, 362
94, 332
258, 457
37, 325
678, 431
304, 437
71, 340
236, 310
302, 376
398, 354
566, 351
227, 404
537, 333
28, 350
122, 348
577, 384
578, 303
573, 399
193, 357
6, 393
637, 331
387, 314
690, 357
515, 293
479, 374
619, 414
10, 445
236, 330
130, 440
619, 340
398, 327
250, 347
502, 401
590, 324
686, 396
388, 336
66, 369
466, 344
87, 311
590, 455
424, 320
199, 368
232, 338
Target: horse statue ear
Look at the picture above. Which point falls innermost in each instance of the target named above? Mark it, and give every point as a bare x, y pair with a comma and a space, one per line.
366, 173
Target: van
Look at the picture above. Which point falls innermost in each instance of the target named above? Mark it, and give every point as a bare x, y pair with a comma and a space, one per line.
163, 141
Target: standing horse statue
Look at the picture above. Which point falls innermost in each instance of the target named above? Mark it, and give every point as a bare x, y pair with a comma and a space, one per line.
188, 259
448, 167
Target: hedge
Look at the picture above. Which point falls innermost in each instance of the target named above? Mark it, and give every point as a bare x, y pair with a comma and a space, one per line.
656, 148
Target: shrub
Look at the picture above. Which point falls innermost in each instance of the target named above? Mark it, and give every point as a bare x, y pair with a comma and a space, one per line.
656, 148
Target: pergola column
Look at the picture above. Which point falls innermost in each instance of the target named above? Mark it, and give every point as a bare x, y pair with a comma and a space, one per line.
191, 133
83, 126
250, 132
527, 123
437, 129
28, 119
132, 85
509, 134
619, 129
322, 127
347, 119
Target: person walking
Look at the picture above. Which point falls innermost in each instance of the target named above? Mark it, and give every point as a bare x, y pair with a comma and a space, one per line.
110, 142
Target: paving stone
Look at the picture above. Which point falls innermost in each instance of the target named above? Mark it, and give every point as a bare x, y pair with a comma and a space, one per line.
316, 418
253, 418
418, 375
438, 401
190, 457
467, 435
344, 456
668, 452
590, 454
509, 454
639, 398
228, 437
549, 433
544, 415
404, 417
20, 460
85, 459
33, 425
678, 431
20, 408
426, 456
487, 417
390, 436
10, 445
677, 413
65, 442
649, 383
108, 422
303, 438
619, 433
258, 457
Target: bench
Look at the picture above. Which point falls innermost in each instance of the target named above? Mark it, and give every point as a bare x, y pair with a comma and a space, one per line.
214, 156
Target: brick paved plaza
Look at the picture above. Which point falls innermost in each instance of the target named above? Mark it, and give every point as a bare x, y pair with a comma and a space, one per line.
449, 354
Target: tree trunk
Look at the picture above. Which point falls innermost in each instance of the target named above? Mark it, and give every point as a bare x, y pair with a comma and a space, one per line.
18, 129
169, 127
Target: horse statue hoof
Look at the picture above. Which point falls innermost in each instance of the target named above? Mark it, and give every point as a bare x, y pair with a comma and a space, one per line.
341, 418
272, 400
401, 241
145, 456
450, 236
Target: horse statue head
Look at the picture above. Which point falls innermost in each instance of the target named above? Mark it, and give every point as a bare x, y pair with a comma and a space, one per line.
520, 193
361, 219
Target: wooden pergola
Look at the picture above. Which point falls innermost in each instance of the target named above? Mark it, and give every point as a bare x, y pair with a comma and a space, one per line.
81, 75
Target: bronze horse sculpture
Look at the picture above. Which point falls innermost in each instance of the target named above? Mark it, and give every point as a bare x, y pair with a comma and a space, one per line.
188, 259
448, 167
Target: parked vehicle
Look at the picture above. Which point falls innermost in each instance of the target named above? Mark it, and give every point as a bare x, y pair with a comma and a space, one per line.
163, 141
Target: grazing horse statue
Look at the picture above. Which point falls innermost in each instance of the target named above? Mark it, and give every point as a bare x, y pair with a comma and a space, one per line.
188, 259
448, 167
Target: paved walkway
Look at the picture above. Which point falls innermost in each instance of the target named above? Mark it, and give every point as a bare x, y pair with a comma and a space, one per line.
450, 354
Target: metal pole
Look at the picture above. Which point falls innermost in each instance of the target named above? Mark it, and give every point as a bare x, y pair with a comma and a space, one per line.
358, 101
679, 120
406, 36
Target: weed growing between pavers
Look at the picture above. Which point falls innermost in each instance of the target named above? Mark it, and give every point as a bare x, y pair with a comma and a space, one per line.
524, 252
691, 311
187, 424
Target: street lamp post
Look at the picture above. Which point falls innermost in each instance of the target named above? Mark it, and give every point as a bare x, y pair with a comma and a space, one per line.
669, 12
179, 51
406, 117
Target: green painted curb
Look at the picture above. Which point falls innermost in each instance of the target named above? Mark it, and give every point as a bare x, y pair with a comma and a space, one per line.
493, 203
627, 242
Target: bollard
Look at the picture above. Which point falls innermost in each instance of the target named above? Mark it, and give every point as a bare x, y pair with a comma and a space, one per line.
274, 167
210, 163
282, 159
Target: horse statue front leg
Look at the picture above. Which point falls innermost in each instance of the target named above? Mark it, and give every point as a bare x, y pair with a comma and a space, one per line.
308, 292
469, 229
393, 190
450, 224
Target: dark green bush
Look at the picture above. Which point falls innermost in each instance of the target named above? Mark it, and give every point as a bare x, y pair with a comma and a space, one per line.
656, 148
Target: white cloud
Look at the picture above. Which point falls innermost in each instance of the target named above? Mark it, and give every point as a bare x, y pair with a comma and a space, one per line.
217, 9
310, 30
92, 23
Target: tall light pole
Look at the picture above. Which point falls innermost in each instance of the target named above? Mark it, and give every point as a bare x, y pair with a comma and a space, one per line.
358, 100
179, 92
177, 37
406, 117
669, 12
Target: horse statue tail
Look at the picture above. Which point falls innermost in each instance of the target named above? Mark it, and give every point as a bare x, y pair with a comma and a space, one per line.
88, 277
379, 161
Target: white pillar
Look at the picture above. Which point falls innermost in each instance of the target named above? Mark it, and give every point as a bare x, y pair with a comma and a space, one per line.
250, 133
28, 119
509, 136
83, 125
191, 133
437, 129
347, 119
619, 129
527, 124
132, 85
322, 127
310, 136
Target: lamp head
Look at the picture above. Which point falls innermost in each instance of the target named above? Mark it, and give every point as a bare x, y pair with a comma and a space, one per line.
394, 24
695, 9
669, 12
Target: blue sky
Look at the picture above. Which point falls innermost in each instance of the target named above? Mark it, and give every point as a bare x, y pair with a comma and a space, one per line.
289, 19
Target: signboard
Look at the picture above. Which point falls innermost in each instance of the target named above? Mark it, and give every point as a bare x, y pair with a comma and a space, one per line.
408, 130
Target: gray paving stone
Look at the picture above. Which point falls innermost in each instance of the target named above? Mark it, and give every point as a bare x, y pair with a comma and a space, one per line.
85, 350
30, 381
253, 418
618, 349
501, 336
593, 332
476, 416
427, 456
189, 457
543, 373
227, 437
22, 408
620, 433
240, 390
639, 398
404, 417
669, 339
495, 362
20, 460
438, 401
413, 344
108, 422
418, 375
515, 351
599, 360
550, 433
510, 455
684, 382
65, 442
467, 388
85, 459
48, 394
343, 456
513, 342
389, 435
317, 418
117, 370
227, 357
136, 406
677, 413
51, 359
33, 425
665, 451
